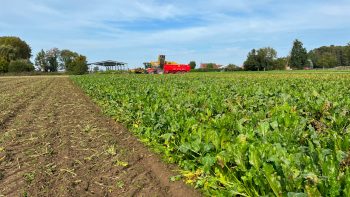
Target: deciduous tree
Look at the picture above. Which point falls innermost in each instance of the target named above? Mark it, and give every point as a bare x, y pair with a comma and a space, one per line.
266, 56
327, 61
232, 67
280, 63
79, 65
193, 64
52, 59
41, 61
261, 59
66, 58
18, 48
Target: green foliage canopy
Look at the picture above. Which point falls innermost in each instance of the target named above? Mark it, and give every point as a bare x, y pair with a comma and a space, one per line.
79, 65
3, 65
232, 67
298, 56
332, 55
14, 53
261, 59
193, 64
12, 48
41, 62
54, 58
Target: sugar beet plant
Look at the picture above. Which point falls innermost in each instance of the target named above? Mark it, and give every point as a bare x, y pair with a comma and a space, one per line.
273, 134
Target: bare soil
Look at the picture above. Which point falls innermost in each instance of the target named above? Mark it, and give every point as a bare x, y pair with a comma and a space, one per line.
55, 142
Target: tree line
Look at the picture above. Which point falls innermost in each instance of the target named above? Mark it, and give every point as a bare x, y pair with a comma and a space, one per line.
15, 57
330, 56
322, 57
54, 59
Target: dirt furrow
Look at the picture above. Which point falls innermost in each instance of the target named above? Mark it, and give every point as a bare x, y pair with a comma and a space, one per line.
20, 103
19, 99
17, 96
7, 84
22, 149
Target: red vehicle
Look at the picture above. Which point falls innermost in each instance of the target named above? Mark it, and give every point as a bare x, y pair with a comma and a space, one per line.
176, 68
162, 66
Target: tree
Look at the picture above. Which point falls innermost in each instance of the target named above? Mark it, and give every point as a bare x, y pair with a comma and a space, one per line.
193, 64
79, 65
14, 55
232, 67
73, 62
265, 57
23, 65
343, 59
19, 48
327, 61
66, 58
298, 56
280, 63
4, 64
41, 62
52, 59
261, 59
7, 52
251, 63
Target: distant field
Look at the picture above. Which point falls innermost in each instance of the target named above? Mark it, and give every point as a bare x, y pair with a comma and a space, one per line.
246, 133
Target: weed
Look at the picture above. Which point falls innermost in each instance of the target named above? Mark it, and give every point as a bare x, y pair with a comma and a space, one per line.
111, 150
29, 177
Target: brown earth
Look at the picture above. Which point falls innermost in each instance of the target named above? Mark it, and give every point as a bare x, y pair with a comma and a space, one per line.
55, 142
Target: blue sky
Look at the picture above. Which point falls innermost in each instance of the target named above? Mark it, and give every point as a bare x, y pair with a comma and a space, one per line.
135, 31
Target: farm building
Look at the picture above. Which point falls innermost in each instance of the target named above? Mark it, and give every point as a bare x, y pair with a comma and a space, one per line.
109, 65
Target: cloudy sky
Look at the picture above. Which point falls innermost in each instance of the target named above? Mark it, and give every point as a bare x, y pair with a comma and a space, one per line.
135, 31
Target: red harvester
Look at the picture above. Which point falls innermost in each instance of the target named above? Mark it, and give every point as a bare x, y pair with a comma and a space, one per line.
162, 66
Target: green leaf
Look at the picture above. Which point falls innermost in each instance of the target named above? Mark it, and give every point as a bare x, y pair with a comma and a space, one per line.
184, 148
274, 125
294, 194
208, 161
264, 128
254, 158
272, 179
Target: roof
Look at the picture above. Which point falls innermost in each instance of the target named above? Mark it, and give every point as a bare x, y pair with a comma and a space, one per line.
108, 63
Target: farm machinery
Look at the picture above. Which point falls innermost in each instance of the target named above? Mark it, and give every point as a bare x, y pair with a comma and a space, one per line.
161, 66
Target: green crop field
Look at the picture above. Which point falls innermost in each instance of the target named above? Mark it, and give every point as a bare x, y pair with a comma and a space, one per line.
248, 134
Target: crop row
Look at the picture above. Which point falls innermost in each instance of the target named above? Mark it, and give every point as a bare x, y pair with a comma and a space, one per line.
240, 134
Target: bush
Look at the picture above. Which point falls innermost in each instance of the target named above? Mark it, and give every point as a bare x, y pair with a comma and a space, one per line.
17, 66
4, 65
232, 67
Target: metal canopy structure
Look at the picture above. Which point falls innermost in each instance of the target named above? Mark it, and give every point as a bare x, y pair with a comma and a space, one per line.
110, 65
